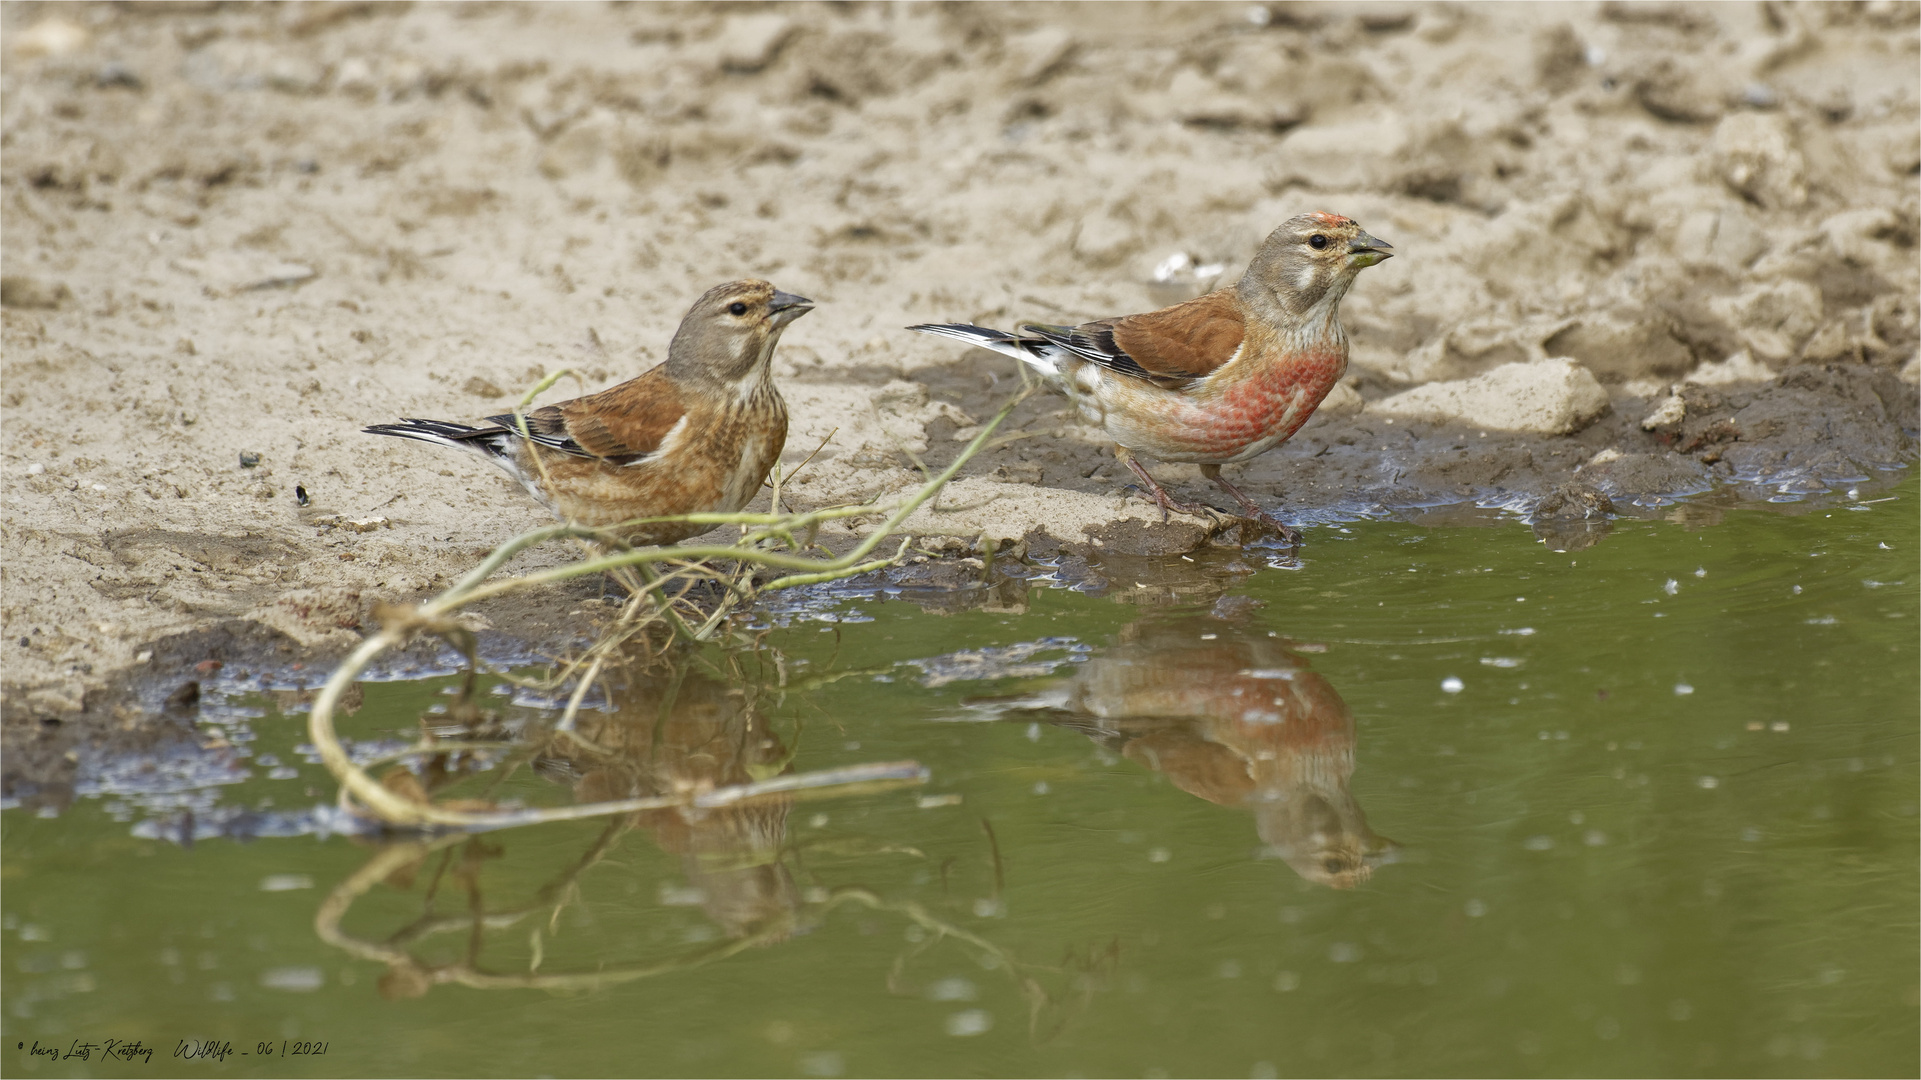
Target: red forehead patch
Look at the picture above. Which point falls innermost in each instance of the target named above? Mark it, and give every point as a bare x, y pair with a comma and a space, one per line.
1332, 221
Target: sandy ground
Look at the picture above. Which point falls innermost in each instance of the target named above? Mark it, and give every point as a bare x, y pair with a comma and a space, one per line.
246, 231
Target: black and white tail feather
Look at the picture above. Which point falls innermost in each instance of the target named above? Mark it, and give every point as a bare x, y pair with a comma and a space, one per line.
1041, 354
1043, 347
495, 445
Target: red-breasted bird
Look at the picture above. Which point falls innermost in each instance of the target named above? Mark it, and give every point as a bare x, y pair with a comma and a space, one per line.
696, 434
1219, 379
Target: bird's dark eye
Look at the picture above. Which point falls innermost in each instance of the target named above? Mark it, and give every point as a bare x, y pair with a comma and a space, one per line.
1317, 241
737, 308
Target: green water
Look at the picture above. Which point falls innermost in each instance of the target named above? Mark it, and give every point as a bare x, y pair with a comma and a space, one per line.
1663, 823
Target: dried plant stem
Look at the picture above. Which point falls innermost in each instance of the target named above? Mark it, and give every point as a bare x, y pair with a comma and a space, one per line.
580, 692
395, 951
360, 793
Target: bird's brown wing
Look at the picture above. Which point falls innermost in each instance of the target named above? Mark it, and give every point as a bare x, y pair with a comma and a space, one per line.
1171, 346
624, 424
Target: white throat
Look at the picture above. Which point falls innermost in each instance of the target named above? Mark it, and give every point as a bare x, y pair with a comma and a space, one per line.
1321, 324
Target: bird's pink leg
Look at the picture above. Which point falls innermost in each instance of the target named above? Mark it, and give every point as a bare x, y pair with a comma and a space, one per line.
1161, 497
1287, 535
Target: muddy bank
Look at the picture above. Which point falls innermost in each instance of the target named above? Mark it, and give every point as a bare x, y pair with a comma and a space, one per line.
233, 236
1801, 433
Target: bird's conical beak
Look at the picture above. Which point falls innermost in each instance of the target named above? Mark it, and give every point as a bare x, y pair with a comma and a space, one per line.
1365, 250
787, 307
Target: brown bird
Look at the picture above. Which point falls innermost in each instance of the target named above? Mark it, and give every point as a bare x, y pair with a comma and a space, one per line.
1219, 379
696, 434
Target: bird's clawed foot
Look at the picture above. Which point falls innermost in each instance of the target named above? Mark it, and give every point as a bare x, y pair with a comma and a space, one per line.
1253, 509
1167, 502
1160, 496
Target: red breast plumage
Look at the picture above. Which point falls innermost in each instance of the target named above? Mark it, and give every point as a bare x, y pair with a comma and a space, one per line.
699, 433
1215, 380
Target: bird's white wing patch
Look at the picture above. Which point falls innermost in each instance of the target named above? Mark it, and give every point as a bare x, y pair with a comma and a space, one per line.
667, 443
1047, 361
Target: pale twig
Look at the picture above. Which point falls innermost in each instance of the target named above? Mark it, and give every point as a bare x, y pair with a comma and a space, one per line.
580, 692
361, 793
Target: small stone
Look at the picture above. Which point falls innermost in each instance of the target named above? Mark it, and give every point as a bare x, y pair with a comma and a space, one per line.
52, 36
1725, 237
184, 698
1902, 153
1560, 59
1343, 400
70, 698
1386, 18
1624, 343
1572, 517
295, 75
231, 272
351, 524
25, 292
1550, 397
354, 76
1574, 500
748, 43
1200, 102
1672, 411
279, 275
114, 74
1181, 277
1831, 342
1677, 93
1772, 320
1758, 156
1870, 235
249, 459
1357, 153
1041, 54
1437, 26
1741, 367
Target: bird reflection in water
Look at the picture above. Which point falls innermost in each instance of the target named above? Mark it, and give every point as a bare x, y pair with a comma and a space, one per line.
677, 728
1235, 717
681, 731
673, 731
